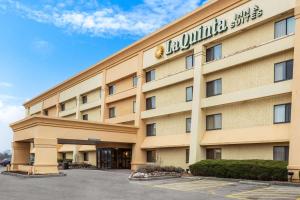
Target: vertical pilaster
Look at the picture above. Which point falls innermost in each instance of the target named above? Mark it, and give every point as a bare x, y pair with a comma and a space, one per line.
45, 156
198, 117
20, 154
294, 159
138, 155
103, 96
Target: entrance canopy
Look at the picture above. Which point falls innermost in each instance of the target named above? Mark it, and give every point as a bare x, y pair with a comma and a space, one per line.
46, 132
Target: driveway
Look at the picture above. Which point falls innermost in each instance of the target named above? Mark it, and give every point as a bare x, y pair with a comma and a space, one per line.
107, 185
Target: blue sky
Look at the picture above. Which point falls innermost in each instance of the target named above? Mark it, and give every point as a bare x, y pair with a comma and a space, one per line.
45, 42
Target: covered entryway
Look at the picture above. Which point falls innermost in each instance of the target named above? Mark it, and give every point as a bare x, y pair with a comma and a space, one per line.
114, 158
46, 133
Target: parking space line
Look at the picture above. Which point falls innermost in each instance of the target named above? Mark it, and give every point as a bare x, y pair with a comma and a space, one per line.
268, 193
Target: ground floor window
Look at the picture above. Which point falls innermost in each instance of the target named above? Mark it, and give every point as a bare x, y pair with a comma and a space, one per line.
151, 156
213, 154
85, 156
281, 153
187, 155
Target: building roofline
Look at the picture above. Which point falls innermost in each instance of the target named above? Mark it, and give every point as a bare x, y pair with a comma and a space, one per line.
201, 14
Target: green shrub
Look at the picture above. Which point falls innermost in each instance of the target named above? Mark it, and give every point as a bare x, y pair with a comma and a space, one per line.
265, 170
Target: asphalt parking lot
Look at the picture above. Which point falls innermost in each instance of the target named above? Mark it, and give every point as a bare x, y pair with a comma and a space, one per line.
110, 185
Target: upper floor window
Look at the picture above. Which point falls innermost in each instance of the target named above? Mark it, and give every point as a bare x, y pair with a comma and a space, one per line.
100, 93
112, 112
285, 27
213, 154
282, 113
151, 129
281, 153
150, 75
111, 89
214, 53
46, 112
188, 125
189, 62
62, 107
214, 88
283, 71
134, 81
85, 117
151, 156
189, 94
214, 122
134, 106
84, 99
150, 103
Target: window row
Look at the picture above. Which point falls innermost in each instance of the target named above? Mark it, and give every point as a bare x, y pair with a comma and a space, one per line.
112, 87
282, 114
189, 64
280, 153
282, 28
152, 156
151, 128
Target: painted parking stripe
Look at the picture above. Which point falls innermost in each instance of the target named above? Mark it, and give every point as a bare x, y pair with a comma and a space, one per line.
289, 193
194, 185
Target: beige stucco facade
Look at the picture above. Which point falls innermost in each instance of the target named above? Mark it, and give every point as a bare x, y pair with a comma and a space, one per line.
249, 52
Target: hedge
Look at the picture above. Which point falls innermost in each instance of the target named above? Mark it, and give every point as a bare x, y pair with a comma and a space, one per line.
155, 168
265, 170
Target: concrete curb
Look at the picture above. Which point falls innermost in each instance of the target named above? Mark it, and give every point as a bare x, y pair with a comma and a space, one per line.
33, 176
242, 181
153, 178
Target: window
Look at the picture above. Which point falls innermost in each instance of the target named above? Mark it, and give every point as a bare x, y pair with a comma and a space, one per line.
282, 113
214, 88
151, 156
187, 155
100, 93
189, 94
283, 71
150, 103
84, 99
281, 153
111, 89
62, 107
151, 129
189, 62
112, 112
188, 123
85, 117
64, 156
214, 122
134, 81
134, 106
85, 156
46, 112
213, 154
150, 75
284, 27
214, 53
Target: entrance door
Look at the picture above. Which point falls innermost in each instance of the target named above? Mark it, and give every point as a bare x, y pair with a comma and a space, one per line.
109, 158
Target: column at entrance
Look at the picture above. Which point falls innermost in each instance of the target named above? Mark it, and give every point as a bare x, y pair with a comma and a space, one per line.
20, 154
45, 156
197, 152
294, 159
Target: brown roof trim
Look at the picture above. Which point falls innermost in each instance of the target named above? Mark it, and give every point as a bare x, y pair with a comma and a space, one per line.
68, 123
200, 15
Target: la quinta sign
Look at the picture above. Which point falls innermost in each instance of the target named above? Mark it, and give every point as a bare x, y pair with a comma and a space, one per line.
216, 27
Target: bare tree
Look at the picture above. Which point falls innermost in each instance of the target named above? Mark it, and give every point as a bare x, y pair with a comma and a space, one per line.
5, 155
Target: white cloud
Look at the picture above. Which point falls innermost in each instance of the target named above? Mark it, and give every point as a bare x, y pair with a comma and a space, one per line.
9, 113
88, 17
5, 84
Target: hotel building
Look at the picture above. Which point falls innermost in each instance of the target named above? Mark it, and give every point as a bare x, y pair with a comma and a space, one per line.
220, 83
